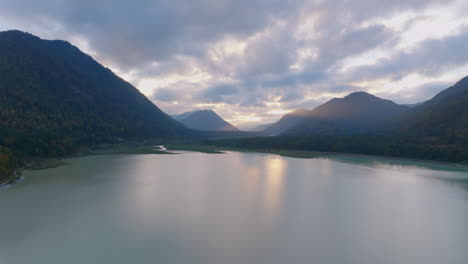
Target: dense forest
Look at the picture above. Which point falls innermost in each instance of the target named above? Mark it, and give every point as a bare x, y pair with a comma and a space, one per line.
446, 150
55, 99
444, 116
52, 94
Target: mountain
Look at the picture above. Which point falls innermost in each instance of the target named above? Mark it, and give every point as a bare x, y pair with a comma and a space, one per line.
358, 112
445, 115
206, 120
54, 98
287, 122
253, 127
434, 130
413, 105
260, 127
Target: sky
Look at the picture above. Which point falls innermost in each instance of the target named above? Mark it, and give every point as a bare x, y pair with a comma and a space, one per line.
252, 61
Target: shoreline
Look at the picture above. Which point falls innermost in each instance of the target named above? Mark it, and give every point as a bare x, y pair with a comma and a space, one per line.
12, 180
308, 154
42, 164
348, 155
49, 163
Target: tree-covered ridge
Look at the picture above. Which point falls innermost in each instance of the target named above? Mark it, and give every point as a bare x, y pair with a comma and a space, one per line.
444, 116
53, 98
391, 145
435, 130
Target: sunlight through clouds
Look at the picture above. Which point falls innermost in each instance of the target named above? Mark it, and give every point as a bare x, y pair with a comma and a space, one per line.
284, 55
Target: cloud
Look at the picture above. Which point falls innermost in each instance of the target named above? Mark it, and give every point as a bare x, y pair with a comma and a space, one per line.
133, 33
217, 93
166, 95
432, 57
244, 58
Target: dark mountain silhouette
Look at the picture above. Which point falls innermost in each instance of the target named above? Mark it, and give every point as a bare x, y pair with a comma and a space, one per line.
205, 120
434, 130
53, 98
445, 115
287, 122
358, 112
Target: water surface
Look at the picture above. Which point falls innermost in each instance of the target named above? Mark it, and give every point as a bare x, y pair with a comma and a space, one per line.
236, 208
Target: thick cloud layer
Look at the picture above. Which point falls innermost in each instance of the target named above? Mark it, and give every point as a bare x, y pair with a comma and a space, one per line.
255, 60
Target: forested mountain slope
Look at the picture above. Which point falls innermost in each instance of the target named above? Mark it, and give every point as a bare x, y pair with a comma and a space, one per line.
53, 98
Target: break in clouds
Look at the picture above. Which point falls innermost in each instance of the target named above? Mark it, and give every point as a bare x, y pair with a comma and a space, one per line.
252, 61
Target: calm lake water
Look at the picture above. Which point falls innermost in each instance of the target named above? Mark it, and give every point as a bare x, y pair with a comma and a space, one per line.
236, 208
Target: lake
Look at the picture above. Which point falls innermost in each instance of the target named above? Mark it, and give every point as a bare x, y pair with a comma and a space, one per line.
236, 208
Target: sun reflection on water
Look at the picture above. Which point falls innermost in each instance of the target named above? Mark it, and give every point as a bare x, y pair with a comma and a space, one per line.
274, 183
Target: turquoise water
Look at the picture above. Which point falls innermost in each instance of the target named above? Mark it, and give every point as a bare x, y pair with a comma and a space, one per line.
236, 208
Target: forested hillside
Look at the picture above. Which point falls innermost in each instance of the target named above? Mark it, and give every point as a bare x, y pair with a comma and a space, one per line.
444, 116
434, 130
54, 98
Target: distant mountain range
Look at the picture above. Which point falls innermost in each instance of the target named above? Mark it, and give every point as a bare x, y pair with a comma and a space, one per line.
358, 112
287, 122
204, 120
361, 123
446, 114
53, 98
